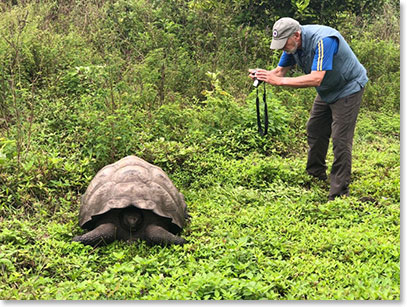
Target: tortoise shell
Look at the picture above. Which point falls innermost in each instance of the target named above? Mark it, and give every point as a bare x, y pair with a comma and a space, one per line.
132, 181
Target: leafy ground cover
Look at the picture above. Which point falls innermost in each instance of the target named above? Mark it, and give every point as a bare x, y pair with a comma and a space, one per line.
75, 97
260, 229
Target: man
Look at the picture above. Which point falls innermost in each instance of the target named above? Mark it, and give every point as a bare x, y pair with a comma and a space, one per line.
332, 68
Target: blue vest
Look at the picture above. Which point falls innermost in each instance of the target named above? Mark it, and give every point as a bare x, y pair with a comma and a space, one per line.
347, 76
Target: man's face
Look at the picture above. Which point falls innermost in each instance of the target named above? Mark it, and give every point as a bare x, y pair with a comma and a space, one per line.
292, 44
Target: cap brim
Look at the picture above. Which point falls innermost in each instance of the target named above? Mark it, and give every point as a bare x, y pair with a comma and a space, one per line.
278, 43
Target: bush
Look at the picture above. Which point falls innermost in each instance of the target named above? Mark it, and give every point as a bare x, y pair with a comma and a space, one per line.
376, 43
382, 62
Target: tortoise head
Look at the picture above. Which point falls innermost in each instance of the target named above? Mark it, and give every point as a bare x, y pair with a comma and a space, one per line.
131, 218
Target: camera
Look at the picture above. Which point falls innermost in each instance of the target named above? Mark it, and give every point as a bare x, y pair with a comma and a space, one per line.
256, 82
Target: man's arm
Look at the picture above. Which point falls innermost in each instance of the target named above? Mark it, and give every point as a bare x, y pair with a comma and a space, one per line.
274, 77
281, 71
278, 71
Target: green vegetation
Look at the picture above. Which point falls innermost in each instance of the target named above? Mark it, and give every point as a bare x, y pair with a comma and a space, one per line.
85, 83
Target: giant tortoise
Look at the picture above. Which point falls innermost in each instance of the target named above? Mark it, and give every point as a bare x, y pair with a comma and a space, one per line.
129, 200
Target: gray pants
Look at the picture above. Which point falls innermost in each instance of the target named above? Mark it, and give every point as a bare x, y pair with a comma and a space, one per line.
338, 120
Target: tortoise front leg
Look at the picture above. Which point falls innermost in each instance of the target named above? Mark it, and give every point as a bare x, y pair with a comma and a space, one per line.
101, 235
157, 235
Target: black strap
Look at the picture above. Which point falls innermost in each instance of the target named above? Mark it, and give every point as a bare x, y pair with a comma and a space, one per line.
266, 116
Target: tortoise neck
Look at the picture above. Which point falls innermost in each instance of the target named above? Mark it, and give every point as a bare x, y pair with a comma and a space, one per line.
131, 218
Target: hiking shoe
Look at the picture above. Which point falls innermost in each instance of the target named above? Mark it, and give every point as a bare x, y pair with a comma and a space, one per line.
322, 177
332, 197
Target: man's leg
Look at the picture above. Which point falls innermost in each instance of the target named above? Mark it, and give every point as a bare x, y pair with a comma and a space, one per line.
344, 114
318, 133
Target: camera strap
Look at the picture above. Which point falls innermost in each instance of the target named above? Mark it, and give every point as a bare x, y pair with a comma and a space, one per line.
266, 116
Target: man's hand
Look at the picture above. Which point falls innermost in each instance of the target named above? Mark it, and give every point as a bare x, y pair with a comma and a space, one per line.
251, 73
268, 76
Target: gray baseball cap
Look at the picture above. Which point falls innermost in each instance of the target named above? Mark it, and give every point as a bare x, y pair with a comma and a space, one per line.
282, 30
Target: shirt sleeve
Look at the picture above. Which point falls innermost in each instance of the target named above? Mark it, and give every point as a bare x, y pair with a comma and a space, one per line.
286, 60
324, 54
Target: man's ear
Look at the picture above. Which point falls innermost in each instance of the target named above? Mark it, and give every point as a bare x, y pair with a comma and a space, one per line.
297, 35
